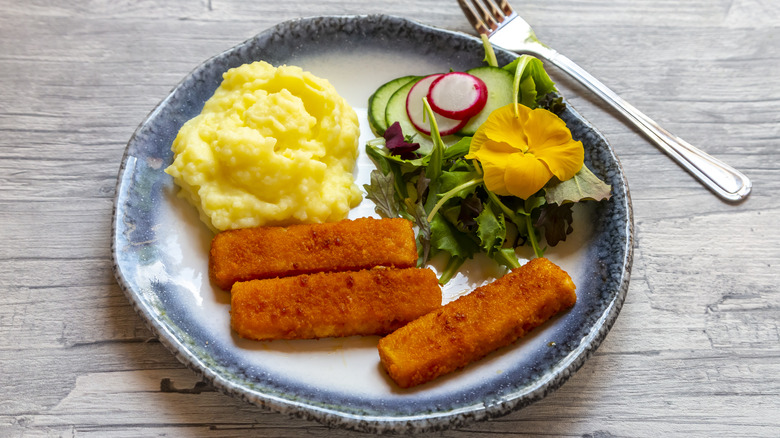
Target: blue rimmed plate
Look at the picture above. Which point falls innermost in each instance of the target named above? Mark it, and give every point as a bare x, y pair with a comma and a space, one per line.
160, 251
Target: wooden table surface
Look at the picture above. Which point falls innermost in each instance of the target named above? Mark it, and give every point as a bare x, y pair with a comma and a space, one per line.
695, 351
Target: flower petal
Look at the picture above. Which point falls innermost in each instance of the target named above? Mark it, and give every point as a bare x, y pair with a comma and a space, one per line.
519, 154
566, 161
493, 165
503, 129
525, 175
515, 174
502, 126
550, 141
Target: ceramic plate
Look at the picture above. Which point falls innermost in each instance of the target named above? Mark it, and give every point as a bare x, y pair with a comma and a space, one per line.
160, 251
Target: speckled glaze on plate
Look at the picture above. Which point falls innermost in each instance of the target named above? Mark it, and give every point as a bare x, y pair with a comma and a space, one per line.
160, 252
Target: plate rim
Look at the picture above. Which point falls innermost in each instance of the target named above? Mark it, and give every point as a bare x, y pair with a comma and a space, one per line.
425, 422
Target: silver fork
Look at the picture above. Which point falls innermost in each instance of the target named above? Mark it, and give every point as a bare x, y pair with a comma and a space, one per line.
507, 30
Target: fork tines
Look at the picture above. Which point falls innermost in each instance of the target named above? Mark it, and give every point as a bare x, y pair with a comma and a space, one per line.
485, 15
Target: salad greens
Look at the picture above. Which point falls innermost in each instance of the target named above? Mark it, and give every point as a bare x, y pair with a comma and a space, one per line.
443, 193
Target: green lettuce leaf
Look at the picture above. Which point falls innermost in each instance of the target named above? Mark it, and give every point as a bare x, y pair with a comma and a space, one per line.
491, 230
446, 237
584, 185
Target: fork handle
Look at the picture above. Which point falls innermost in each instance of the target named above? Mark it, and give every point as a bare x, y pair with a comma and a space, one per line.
725, 181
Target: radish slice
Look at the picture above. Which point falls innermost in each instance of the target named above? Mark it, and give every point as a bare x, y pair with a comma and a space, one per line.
457, 95
416, 110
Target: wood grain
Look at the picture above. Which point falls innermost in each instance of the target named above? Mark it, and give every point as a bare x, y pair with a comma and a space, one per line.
694, 353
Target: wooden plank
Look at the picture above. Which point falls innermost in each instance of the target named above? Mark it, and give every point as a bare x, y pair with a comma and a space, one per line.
695, 351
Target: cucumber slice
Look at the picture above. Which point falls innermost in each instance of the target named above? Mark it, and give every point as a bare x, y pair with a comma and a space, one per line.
499, 89
378, 102
396, 112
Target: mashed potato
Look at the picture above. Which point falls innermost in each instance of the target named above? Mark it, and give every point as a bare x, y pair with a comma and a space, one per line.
273, 146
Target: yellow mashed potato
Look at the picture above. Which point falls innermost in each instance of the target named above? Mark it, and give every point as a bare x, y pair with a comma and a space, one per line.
272, 146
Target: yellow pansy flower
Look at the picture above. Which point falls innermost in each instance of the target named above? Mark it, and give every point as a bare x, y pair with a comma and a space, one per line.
521, 153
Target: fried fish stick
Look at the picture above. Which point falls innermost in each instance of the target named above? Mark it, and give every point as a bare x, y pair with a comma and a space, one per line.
367, 302
348, 245
472, 326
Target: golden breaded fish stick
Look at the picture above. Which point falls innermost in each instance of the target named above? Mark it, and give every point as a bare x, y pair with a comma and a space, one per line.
369, 302
472, 326
348, 245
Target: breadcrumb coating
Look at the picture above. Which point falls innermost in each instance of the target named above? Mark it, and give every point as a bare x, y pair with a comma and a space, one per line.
368, 302
348, 245
472, 326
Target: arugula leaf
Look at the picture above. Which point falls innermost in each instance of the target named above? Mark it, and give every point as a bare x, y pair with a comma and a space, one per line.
451, 214
490, 55
506, 257
422, 185
531, 82
451, 269
417, 212
470, 208
383, 154
457, 150
445, 237
556, 221
382, 192
584, 185
458, 182
387, 164
533, 202
519, 212
378, 156
434, 169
